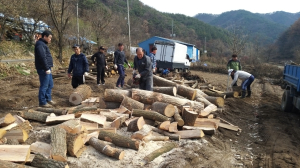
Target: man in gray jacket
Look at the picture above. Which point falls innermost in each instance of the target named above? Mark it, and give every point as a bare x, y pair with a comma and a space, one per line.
143, 64
247, 79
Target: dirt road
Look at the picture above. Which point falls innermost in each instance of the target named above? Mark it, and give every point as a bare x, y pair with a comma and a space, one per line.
269, 137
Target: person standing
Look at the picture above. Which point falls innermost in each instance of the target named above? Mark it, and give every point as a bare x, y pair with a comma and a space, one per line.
143, 65
79, 66
119, 64
153, 58
247, 79
234, 64
101, 64
43, 65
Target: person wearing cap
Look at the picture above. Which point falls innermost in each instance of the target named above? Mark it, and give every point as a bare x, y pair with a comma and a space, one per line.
153, 58
101, 64
43, 65
143, 65
78, 66
234, 64
119, 64
246, 78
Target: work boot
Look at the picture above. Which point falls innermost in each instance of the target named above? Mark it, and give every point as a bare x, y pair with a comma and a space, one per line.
243, 94
51, 102
46, 105
249, 93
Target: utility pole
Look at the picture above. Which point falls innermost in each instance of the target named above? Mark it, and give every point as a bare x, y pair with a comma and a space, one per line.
205, 45
129, 28
77, 24
172, 35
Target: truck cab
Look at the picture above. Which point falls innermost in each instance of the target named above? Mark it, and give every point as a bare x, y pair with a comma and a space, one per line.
291, 97
172, 56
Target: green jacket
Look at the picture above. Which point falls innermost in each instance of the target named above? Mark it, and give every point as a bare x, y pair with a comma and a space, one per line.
235, 65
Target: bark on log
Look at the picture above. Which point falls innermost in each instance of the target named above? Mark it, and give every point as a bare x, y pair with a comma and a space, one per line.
146, 130
131, 104
6, 120
214, 94
178, 118
91, 108
34, 115
234, 94
7, 164
136, 125
189, 117
155, 138
42, 162
205, 112
42, 148
166, 148
218, 101
172, 91
159, 81
81, 93
58, 144
163, 108
173, 127
52, 110
171, 136
111, 116
187, 92
149, 115
164, 125
115, 95
107, 150
108, 105
119, 140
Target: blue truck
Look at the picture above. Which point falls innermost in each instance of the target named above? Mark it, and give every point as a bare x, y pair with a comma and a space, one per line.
291, 97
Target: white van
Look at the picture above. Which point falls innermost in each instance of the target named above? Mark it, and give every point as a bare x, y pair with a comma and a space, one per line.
171, 55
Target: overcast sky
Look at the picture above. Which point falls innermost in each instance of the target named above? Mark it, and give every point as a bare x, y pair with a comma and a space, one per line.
193, 7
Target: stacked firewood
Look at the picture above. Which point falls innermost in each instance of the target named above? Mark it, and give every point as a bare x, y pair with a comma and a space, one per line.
109, 62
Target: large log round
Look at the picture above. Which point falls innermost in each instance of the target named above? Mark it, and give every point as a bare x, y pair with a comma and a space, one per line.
81, 93
189, 117
115, 95
106, 149
187, 92
108, 105
163, 108
131, 104
172, 91
218, 101
149, 115
159, 81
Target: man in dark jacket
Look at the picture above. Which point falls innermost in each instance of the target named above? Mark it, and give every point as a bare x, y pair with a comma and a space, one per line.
234, 64
143, 64
119, 64
43, 65
79, 66
101, 64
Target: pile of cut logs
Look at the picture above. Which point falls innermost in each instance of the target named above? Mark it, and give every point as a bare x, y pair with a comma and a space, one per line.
109, 62
170, 113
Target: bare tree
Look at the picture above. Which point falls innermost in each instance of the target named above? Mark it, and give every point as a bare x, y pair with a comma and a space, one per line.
237, 40
60, 15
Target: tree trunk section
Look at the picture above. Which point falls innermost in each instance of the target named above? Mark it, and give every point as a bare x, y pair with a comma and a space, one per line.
34, 115
205, 112
159, 81
111, 116
166, 148
149, 115
75, 142
108, 105
172, 91
171, 136
187, 92
131, 104
136, 124
164, 125
204, 101
218, 101
146, 130
52, 110
189, 117
6, 120
234, 94
81, 93
115, 95
119, 140
42, 162
214, 94
178, 118
105, 149
163, 108
58, 144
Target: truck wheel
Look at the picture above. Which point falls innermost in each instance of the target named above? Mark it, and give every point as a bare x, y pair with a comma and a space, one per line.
286, 102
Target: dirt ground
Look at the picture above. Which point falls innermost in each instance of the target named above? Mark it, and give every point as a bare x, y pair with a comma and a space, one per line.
269, 137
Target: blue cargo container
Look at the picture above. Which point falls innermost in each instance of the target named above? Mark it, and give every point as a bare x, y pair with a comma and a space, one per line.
291, 96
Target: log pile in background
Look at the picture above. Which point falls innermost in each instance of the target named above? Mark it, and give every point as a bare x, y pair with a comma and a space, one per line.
109, 58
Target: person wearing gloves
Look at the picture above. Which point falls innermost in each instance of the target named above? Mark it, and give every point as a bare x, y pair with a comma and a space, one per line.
119, 64
234, 64
79, 66
101, 64
153, 58
246, 78
43, 65
143, 65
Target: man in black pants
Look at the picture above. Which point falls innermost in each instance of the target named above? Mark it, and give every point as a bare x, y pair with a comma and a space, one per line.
79, 66
101, 64
143, 64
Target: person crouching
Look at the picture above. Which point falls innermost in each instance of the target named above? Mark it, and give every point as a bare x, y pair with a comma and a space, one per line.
247, 79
